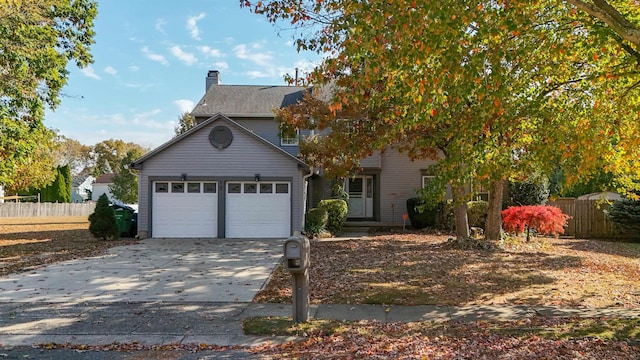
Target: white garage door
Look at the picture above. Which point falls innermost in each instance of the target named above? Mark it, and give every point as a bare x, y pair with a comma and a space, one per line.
258, 209
185, 209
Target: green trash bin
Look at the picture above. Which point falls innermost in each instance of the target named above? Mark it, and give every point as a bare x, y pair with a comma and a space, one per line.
123, 219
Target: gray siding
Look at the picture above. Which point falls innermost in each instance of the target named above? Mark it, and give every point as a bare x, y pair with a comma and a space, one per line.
400, 178
196, 157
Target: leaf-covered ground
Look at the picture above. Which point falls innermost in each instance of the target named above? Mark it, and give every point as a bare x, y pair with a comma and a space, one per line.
27, 243
417, 269
409, 269
537, 338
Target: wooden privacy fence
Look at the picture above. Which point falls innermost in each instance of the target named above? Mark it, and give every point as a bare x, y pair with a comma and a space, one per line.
46, 209
589, 219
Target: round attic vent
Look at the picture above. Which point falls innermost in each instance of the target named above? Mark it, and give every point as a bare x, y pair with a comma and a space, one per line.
220, 137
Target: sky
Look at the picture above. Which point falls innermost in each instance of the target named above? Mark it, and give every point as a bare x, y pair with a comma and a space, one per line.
150, 63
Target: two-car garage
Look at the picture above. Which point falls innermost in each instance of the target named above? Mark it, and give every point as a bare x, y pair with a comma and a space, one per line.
231, 209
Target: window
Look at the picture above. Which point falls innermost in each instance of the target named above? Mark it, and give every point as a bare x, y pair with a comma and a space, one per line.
162, 187
426, 179
235, 188
210, 188
266, 188
193, 187
177, 187
290, 139
250, 188
282, 188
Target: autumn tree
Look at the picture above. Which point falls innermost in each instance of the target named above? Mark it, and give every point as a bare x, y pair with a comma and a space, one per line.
75, 154
107, 155
125, 181
37, 41
185, 122
491, 89
27, 155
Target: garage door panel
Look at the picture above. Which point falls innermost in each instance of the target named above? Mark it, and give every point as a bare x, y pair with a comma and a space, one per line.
185, 214
258, 214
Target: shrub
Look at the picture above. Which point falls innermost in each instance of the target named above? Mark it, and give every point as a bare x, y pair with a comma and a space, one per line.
337, 212
445, 218
420, 215
102, 223
528, 193
625, 214
543, 219
316, 222
477, 213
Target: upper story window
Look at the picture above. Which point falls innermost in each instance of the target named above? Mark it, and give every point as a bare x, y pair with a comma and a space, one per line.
289, 139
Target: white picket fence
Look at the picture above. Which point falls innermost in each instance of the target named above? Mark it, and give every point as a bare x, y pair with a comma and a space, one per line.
46, 209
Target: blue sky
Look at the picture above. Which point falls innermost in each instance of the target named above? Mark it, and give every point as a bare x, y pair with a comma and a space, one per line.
150, 63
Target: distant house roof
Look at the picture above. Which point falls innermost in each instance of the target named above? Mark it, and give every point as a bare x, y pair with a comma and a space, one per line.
79, 180
105, 178
247, 100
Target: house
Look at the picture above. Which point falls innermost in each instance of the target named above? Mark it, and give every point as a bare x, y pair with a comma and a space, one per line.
101, 186
81, 188
233, 175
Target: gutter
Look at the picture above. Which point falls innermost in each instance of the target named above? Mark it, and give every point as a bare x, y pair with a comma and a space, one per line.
305, 191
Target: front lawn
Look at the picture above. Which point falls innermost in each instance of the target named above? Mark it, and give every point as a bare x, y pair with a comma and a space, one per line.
27, 243
420, 269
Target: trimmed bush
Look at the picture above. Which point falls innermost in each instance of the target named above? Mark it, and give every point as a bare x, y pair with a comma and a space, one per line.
420, 219
316, 222
102, 223
527, 193
477, 213
337, 211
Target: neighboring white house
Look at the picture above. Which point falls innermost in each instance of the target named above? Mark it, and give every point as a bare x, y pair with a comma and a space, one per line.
82, 188
1, 194
101, 186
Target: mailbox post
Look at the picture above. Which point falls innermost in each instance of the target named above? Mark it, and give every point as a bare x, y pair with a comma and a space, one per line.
296, 261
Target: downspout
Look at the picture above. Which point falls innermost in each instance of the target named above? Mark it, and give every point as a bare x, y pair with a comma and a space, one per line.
305, 191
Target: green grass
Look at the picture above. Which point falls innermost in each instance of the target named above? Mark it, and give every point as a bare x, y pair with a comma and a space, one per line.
284, 326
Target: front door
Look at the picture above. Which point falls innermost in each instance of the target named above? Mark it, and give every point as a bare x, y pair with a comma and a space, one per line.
360, 190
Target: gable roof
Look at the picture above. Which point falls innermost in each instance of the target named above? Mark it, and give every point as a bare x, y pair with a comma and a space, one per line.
217, 117
105, 178
247, 100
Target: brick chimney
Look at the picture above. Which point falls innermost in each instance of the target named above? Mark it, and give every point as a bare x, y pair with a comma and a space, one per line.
213, 78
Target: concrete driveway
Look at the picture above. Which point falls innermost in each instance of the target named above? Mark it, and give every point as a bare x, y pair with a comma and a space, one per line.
175, 270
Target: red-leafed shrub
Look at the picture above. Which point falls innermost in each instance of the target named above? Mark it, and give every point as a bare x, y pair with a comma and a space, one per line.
541, 218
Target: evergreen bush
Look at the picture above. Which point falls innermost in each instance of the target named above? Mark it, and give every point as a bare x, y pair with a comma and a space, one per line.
625, 214
316, 222
102, 223
420, 215
337, 212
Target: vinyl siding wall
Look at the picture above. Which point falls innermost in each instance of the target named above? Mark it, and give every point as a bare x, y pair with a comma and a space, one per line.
196, 157
399, 179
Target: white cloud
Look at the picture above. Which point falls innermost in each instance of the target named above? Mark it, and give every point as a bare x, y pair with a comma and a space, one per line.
210, 52
184, 105
89, 72
260, 58
160, 23
185, 57
221, 65
192, 25
134, 68
154, 57
110, 70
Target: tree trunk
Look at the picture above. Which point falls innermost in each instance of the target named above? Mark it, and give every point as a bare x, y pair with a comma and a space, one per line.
460, 213
494, 215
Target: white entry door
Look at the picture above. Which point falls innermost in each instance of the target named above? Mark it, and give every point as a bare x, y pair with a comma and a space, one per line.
360, 190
